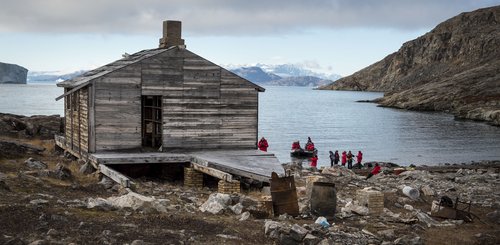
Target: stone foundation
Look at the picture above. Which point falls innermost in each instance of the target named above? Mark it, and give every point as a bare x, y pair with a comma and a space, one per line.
193, 178
228, 187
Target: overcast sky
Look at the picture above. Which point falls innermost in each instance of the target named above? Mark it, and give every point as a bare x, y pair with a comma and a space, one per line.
336, 36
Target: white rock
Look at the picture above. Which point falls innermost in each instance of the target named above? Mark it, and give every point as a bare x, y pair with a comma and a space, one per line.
408, 207
237, 209
100, 203
245, 216
216, 203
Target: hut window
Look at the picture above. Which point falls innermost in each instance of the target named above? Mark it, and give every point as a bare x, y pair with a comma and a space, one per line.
151, 121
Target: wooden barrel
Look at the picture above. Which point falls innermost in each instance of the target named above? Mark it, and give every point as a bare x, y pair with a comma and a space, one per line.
323, 199
284, 195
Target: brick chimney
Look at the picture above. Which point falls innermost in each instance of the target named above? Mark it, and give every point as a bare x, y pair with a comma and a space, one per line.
171, 34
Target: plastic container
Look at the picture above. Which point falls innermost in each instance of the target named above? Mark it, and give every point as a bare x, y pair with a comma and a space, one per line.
322, 221
411, 192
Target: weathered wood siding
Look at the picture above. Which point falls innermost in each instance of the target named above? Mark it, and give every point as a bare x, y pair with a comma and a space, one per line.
204, 106
76, 116
117, 109
239, 111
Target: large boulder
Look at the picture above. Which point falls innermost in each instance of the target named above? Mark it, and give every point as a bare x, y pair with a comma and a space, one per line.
44, 127
216, 203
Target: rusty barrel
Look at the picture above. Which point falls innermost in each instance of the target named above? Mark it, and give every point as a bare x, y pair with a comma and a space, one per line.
284, 195
323, 199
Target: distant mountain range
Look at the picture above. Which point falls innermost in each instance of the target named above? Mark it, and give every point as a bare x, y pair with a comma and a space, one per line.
51, 76
262, 74
283, 75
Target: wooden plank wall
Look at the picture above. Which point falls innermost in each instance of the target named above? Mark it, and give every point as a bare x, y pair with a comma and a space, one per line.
83, 115
76, 116
239, 112
118, 109
204, 106
67, 117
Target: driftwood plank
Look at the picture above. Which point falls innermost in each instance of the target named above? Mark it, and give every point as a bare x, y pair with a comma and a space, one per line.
116, 176
211, 171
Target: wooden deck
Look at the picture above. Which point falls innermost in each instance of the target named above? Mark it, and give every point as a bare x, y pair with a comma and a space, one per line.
138, 158
253, 164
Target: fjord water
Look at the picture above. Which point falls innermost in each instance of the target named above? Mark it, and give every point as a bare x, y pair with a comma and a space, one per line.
31, 99
333, 119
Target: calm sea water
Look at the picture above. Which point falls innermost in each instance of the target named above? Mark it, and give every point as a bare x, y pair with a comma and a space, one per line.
333, 120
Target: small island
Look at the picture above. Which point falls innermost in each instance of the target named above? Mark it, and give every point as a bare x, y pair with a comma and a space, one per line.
11, 73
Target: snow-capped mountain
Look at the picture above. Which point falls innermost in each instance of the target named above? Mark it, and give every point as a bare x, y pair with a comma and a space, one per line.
255, 74
279, 75
51, 76
296, 70
283, 75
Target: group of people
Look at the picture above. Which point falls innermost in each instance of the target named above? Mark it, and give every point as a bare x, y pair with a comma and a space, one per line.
308, 147
346, 158
335, 158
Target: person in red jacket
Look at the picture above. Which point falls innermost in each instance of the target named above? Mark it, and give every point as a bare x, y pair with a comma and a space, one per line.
309, 145
359, 158
314, 161
374, 171
263, 144
296, 145
344, 158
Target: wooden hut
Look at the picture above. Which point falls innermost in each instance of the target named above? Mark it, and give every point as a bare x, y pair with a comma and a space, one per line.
163, 99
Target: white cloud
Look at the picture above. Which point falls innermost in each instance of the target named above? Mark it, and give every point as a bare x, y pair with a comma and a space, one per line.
225, 17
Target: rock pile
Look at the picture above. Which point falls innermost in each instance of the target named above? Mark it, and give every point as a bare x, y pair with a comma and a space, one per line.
44, 127
361, 202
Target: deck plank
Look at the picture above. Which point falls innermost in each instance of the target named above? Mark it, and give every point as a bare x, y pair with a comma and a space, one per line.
252, 164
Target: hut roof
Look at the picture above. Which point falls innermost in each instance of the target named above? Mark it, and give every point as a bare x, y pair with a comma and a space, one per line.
83, 80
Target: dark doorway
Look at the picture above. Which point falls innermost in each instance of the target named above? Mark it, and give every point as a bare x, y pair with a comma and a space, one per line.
151, 121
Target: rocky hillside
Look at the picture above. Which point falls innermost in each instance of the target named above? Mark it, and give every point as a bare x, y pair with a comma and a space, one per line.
10, 73
453, 68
